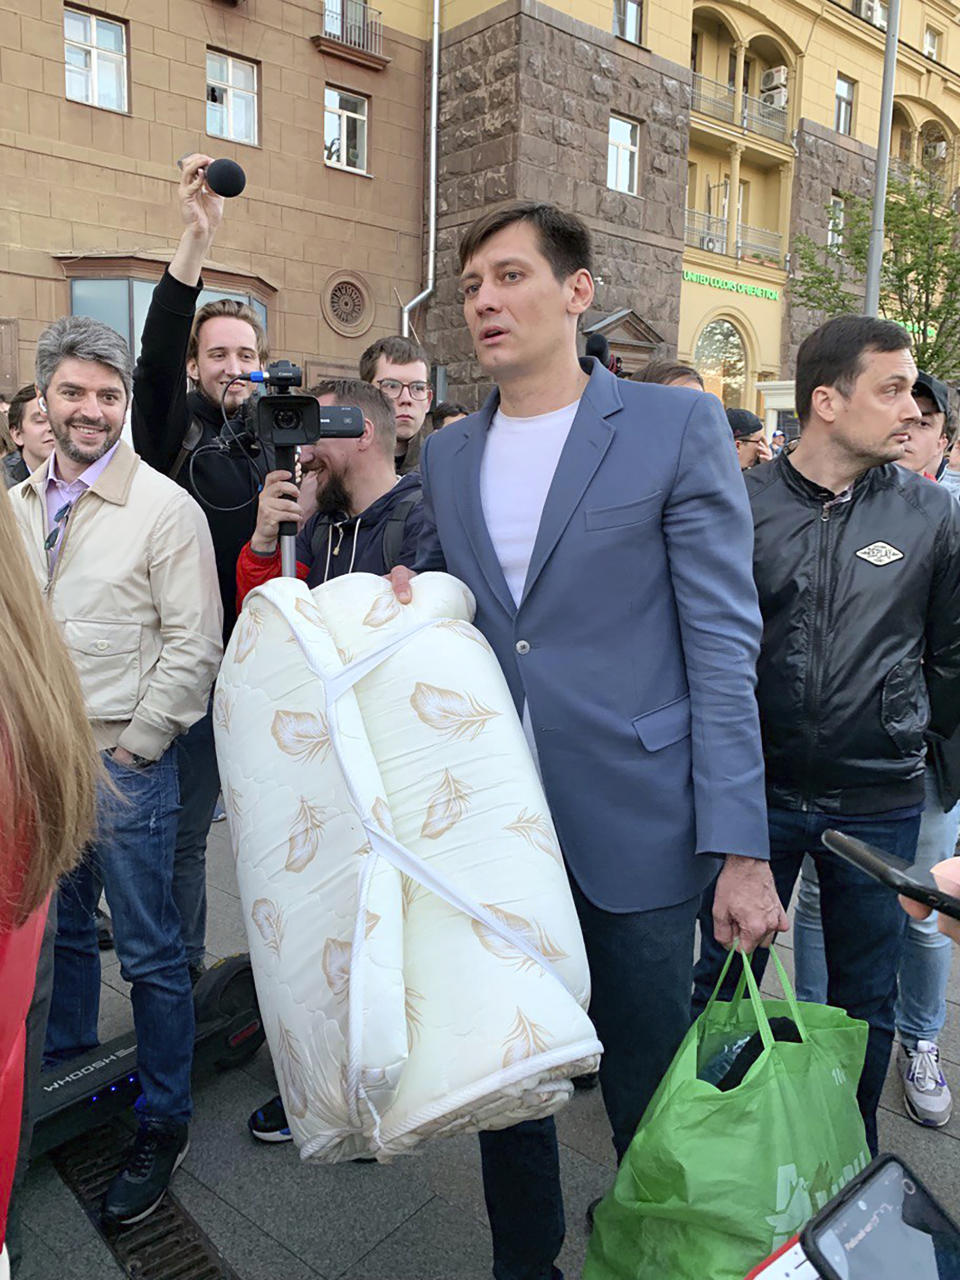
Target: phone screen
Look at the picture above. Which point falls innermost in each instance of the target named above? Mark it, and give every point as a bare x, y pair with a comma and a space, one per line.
890, 1229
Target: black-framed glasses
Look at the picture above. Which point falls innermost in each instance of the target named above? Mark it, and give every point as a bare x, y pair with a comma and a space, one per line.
393, 388
59, 521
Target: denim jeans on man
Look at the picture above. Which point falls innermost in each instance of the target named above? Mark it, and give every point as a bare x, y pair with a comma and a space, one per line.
641, 966
199, 788
927, 953
132, 859
863, 927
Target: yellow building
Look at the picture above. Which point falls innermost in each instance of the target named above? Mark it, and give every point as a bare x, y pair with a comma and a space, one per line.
696, 139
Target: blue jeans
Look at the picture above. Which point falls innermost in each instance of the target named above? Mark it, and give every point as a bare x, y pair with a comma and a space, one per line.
641, 966
927, 953
863, 928
132, 860
199, 788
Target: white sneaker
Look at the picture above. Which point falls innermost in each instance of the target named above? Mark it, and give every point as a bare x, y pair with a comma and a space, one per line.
926, 1095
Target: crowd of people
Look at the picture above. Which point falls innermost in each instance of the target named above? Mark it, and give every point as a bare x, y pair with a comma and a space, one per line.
764, 643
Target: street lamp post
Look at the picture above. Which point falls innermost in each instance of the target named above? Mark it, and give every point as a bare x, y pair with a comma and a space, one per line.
875, 253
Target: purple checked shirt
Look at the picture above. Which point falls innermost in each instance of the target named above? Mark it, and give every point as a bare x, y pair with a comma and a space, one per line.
59, 493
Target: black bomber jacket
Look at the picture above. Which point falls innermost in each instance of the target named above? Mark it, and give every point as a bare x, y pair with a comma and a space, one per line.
860, 659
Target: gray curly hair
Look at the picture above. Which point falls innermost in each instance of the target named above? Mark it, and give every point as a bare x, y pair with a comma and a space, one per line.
81, 338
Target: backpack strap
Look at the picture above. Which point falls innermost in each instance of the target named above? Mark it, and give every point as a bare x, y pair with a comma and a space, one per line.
395, 529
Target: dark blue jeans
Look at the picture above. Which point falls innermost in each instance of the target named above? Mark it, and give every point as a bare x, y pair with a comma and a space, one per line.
132, 859
641, 966
863, 929
199, 788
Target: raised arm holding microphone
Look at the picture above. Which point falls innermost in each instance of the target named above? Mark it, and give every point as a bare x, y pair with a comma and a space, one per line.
210, 452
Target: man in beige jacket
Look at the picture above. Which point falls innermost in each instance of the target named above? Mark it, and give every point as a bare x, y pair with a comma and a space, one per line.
124, 558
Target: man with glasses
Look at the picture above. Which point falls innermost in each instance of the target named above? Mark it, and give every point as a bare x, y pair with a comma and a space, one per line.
401, 369
749, 437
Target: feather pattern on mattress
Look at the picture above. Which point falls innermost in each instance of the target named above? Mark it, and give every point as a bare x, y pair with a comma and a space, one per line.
416, 949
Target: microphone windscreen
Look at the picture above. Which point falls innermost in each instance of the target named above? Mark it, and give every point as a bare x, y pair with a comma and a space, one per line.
225, 177
599, 348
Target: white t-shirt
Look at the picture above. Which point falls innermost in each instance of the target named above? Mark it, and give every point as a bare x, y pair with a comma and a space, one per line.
519, 462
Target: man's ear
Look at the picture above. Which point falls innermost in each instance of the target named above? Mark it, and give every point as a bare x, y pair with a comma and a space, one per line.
193, 371
369, 435
824, 403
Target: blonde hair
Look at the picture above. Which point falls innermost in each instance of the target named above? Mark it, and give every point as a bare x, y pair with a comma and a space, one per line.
48, 760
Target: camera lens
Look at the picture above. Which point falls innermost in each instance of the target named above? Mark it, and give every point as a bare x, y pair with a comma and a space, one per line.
286, 419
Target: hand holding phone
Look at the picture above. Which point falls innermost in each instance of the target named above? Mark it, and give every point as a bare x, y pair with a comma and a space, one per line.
884, 1225
895, 873
946, 875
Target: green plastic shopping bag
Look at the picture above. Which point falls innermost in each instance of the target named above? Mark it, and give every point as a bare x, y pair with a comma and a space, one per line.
715, 1181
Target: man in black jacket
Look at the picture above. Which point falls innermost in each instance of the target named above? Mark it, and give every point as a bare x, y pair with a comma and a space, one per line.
201, 438
857, 564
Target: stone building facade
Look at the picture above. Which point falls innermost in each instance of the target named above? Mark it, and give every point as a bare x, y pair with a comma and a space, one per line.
526, 96
827, 165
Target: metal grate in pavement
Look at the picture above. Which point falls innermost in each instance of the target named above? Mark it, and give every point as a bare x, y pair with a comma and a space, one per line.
166, 1246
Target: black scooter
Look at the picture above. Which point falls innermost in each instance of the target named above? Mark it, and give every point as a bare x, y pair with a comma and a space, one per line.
90, 1089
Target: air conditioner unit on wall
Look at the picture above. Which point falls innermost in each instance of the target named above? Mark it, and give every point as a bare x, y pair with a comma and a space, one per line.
711, 244
774, 78
774, 98
935, 150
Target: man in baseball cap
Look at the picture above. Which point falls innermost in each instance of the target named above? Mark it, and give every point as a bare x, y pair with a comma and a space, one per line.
931, 435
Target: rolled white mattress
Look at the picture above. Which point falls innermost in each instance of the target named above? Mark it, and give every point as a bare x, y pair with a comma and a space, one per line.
416, 950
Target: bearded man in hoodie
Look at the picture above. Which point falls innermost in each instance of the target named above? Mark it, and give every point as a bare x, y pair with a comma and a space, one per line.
354, 513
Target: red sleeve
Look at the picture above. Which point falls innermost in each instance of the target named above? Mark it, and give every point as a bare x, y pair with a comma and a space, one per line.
254, 570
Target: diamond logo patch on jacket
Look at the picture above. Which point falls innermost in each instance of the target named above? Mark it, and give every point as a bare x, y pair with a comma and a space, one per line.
880, 553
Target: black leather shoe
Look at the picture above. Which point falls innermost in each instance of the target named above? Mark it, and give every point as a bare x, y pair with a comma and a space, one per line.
157, 1151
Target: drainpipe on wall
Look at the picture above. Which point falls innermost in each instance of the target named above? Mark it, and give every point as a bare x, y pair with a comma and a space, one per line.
426, 291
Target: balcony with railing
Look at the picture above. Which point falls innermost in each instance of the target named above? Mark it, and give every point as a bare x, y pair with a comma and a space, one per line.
711, 98
705, 231
759, 244
352, 30
719, 101
759, 117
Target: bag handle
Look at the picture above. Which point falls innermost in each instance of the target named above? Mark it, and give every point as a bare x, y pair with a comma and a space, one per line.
749, 982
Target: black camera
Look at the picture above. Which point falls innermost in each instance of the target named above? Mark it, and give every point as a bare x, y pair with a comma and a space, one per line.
285, 420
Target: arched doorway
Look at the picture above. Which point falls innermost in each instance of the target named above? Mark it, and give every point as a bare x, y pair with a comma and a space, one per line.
721, 359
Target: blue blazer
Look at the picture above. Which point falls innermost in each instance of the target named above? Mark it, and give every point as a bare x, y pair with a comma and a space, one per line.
636, 640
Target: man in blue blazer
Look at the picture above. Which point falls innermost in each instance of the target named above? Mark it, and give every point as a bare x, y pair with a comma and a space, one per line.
604, 529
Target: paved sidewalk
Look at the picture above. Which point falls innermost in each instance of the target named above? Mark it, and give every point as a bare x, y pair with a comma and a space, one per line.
421, 1218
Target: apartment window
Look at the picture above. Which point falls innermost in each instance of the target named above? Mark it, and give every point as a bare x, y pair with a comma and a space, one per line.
122, 303
843, 113
837, 213
626, 19
694, 50
345, 130
931, 44
231, 98
622, 155
95, 57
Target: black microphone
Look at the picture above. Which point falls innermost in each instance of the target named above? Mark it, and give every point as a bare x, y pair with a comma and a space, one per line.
599, 348
225, 177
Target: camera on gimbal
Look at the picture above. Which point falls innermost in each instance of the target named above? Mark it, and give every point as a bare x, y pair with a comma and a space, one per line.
286, 420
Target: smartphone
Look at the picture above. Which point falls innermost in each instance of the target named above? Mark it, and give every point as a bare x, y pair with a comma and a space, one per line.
892, 871
884, 1225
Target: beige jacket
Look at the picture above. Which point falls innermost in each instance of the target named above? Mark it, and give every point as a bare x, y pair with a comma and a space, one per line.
135, 592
